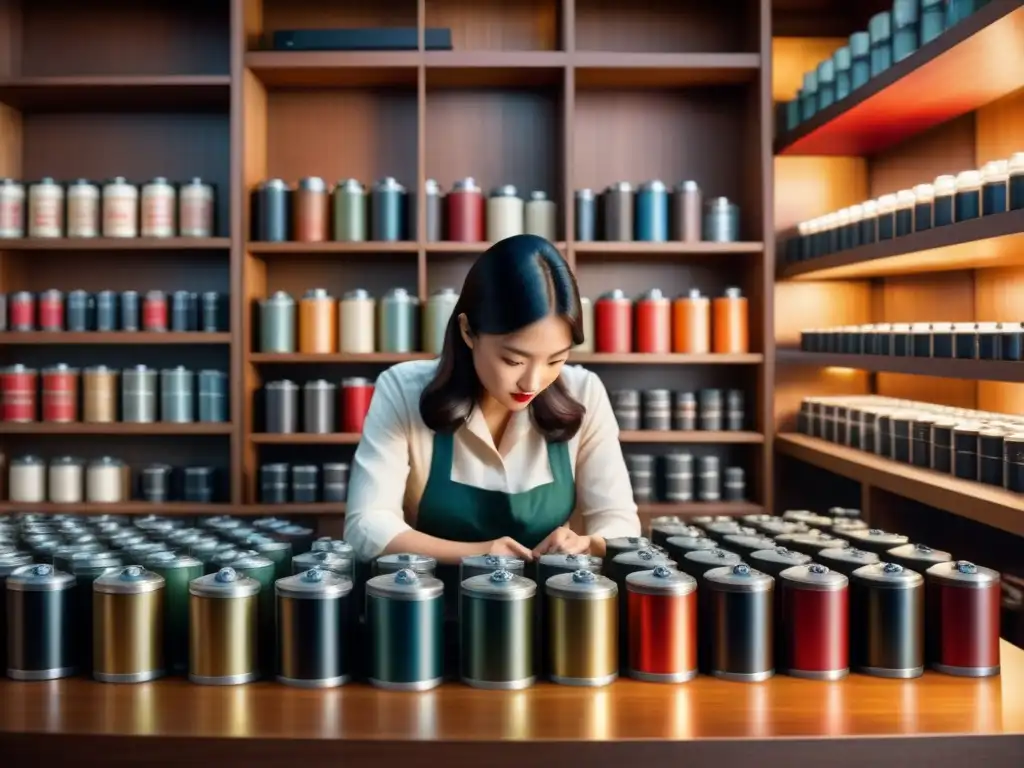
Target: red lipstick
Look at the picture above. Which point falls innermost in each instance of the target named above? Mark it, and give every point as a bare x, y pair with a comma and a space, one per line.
520, 397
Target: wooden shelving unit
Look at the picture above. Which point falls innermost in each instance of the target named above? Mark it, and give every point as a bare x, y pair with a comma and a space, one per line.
973, 370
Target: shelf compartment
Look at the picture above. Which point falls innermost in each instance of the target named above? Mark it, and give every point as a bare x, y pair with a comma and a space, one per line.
979, 60
118, 244
142, 338
116, 428
98, 93
330, 248
497, 25
663, 70
326, 69
172, 509
986, 242
983, 503
975, 370
695, 436
334, 509
497, 69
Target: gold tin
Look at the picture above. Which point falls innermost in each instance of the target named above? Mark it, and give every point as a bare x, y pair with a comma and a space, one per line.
128, 625
583, 634
223, 610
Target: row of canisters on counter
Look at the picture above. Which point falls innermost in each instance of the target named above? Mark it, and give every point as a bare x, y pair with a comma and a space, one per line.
114, 208
972, 445
107, 480
358, 323
891, 37
997, 188
80, 311
652, 213
61, 394
313, 211
679, 477
282, 483
229, 602
960, 341
323, 408
661, 410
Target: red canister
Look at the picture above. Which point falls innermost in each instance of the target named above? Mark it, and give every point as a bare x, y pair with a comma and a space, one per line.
465, 212
154, 311
962, 615
51, 311
815, 622
654, 323
613, 323
60, 394
662, 617
356, 393
21, 309
18, 388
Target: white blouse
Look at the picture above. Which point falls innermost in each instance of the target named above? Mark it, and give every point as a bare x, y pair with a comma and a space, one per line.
392, 463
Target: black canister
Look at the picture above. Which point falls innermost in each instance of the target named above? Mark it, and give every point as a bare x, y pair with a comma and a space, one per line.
314, 629
130, 314
943, 207
274, 483
734, 484
709, 409
774, 560
41, 632
335, 481
10, 561
155, 483
211, 316
497, 614
869, 222
886, 217
305, 483
618, 207
887, 621
989, 341
1015, 170
846, 560
810, 542
965, 341
924, 198
199, 484
270, 215
942, 340
106, 311
921, 441
994, 192
1013, 463
942, 445
747, 542
905, 202
586, 215
990, 456
677, 547
700, 561
967, 200
965, 450
663, 531
901, 339
740, 620
619, 544
184, 316
80, 312
1011, 341
876, 540
917, 557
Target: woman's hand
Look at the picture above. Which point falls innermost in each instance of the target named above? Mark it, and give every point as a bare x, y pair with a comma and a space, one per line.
506, 546
565, 541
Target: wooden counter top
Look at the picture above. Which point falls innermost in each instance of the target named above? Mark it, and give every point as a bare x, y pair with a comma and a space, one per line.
781, 721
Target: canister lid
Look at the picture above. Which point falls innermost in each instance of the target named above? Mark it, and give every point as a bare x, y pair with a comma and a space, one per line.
39, 578
813, 538
781, 556
662, 580
405, 584
356, 381
713, 557
84, 561
653, 185
778, 527
945, 184
322, 559
445, 293
739, 577
584, 194
106, 462
576, 562
616, 294
747, 541
691, 543
227, 582
677, 529
642, 558
889, 575
227, 555
628, 542
339, 546
921, 553
848, 555
250, 560
963, 574
968, 180
538, 194
880, 26
274, 184
12, 561
505, 190
581, 585
167, 560
131, 580
756, 520
688, 186
356, 294
728, 528
619, 186
388, 184
467, 184
842, 58
815, 576
878, 536
314, 584
1015, 164
501, 584
849, 524
399, 560
350, 185
494, 563
653, 294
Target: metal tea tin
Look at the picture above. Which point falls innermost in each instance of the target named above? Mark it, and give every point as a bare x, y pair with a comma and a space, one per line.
10, 561
255, 566
875, 540
678, 546
917, 557
314, 646
405, 626
423, 565
436, 314
775, 560
582, 617
336, 562
747, 542
40, 623
277, 323
223, 611
496, 620
349, 216
740, 612
815, 622
662, 532
128, 626
963, 605
618, 545
178, 571
887, 621
700, 561
810, 542
485, 565
662, 625
387, 201
397, 321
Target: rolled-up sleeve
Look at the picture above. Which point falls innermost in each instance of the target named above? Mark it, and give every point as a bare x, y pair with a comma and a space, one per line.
374, 514
604, 495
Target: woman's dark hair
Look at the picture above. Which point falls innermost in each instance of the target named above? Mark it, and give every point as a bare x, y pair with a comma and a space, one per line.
515, 282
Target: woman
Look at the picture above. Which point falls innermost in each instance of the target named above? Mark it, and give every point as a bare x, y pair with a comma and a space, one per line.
489, 449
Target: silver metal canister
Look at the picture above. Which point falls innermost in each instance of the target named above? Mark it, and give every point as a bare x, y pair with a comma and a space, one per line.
641, 475
387, 203
305, 483
618, 207
335, 480
349, 212
626, 408
496, 622
433, 205
657, 410
395, 562
687, 211
740, 620
177, 404
282, 407
357, 322
40, 623
319, 401
436, 314
485, 565
340, 563
213, 396
708, 479
684, 411
774, 560
721, 221
586, 215
540, 217
678, 477
313, 629
128, 624
887, 621
138, 395
397, 321
277, 324
709, 409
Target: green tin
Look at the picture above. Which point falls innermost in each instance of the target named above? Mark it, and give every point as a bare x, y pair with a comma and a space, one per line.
225, 555
63, 555
137, 553
86, 567
338, 546
405, 626
204, 549
240, 534
178, 571
349, 212
278, 551
496, 613
263, 570
328, 561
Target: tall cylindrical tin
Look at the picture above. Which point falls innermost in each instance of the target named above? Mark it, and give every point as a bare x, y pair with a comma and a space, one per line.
582, 617
357, 323
653, 323
423, 565
485, 565
80, 312
876, 540
917, 557
159, 208
678, 547
617, 208
21, 311
196, 200
86, 567
747, 542
465, 204
687, 211
223, 610
405, 622
887, 621
619, 544
335, 482
213, 396
691, 324
663, 530
340, 563
177, 388
721, 221
309, 211
496, 615
553, 564
730, 334
586, 215
65, 481
277, 323
178, 571
963, 605
281, 407
314, 629
280, 552
45, 216
271, 214
18, 390
10, 561
255, 566
12, 209
613, 323
815, 622
41, 631
775, 560
348, 212
505, 214
740, 615
319, 399
184, 311
131, 312
356, 394
540, 216
433, 217
587, 321
26, 480
436, 314
652, 212
397, 321
50, 310
387, 214
59, 394
662, 620
128, 626
318, 323
120, 208
138, 395
212, 312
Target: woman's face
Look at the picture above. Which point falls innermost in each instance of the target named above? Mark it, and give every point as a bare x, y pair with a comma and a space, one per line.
516, 367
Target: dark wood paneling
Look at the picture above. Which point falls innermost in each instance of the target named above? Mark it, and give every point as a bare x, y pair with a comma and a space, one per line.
658, 26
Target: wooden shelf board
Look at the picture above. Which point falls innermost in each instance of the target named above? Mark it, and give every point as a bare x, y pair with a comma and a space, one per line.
122, 92
326, 69
595, 69
986, 242
494, 69
301, 438
982, 503
173, 508
976, 370
117, 244
694, 436
115, 428
635, 358
695, 508
141, 338
336, 509
453, 247
972, 64
601, 248
338, 357
269, 249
